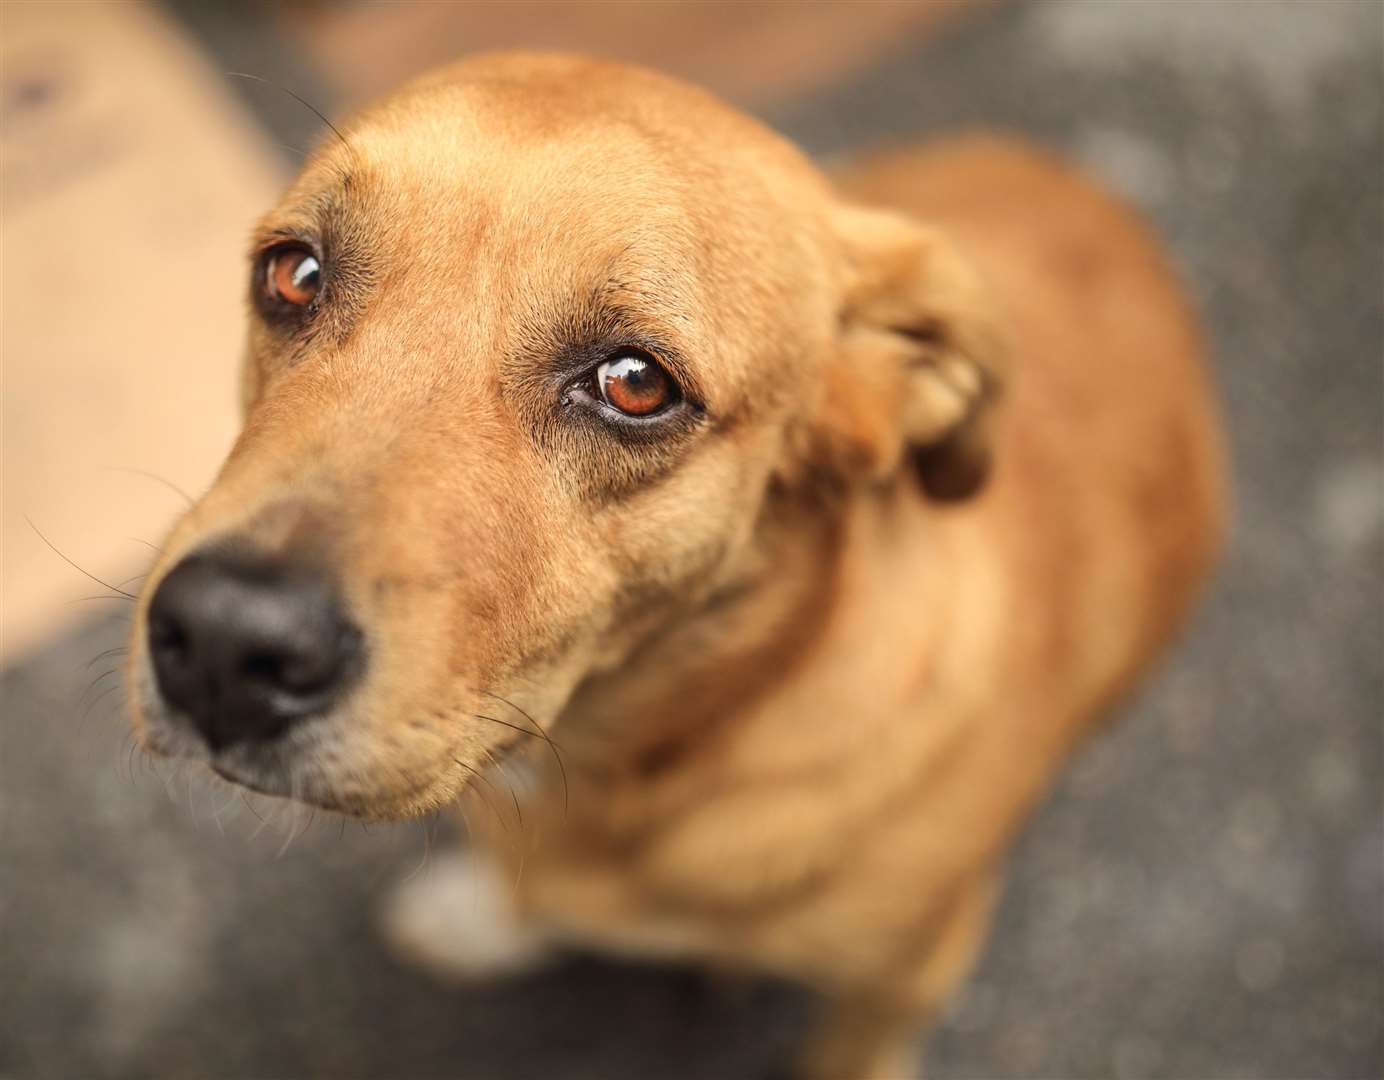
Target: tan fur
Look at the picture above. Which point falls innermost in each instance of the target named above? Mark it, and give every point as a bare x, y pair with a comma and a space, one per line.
802, 706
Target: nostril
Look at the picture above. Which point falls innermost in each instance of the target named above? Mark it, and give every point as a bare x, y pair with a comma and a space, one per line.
305, 668
167, 636
263, 667
297, 675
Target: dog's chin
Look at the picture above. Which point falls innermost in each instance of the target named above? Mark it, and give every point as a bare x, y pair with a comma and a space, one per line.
259, 776
297, 766
264, 768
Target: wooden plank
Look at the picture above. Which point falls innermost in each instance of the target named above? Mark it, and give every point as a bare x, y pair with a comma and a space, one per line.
129, 186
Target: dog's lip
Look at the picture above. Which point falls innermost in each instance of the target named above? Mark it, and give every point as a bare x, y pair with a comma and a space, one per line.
251, 780
268, 775
279, 782
279, 768
281, 772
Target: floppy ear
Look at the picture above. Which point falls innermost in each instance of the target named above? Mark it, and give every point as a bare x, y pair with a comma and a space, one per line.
919, 363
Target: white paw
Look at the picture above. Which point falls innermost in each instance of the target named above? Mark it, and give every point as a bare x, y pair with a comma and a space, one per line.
457, 920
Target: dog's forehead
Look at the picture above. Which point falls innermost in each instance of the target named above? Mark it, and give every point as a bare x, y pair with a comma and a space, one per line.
444, 183
552, 193
578, 193
573, 149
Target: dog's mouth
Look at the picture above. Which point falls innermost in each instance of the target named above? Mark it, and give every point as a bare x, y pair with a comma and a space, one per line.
318, 776
267, 768
280, 766
332, 760
236, 776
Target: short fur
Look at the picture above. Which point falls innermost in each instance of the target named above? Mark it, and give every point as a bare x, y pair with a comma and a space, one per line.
811, 654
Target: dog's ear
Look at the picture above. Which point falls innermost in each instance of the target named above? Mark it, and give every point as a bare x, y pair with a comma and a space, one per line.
919, 361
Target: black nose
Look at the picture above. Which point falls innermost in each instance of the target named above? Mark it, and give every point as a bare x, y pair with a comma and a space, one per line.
247, 646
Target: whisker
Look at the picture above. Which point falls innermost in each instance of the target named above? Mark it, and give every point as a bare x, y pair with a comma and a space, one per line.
250, 808
538, 729
292, 832
263, 824
226, 805
216, 820
523, 846
155, 477
466, 824
117, 651
167, 783
519, 874
494, 764
86, 573
86, 713
146, 543
506, 723
130, 758
509, 784
479, 776
298, 150
307, 105
427, 849
95, 683
297, 813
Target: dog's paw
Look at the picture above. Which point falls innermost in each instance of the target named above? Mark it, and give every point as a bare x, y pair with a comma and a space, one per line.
458, 921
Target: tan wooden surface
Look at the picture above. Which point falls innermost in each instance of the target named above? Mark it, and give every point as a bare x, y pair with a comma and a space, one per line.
129, 186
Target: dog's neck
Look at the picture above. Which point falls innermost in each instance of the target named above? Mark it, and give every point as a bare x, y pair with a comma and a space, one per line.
731, 654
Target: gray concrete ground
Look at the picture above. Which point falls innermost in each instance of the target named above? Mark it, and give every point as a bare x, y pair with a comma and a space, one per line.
1201, 898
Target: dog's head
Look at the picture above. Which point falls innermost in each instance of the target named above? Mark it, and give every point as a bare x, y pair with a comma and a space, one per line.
531, 348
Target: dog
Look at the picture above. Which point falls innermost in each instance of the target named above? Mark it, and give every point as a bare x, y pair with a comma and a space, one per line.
777, 536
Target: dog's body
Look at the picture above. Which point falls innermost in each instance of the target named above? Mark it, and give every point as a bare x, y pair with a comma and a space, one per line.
802, 718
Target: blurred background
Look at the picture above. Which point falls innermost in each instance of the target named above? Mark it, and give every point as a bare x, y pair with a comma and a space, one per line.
1202, 896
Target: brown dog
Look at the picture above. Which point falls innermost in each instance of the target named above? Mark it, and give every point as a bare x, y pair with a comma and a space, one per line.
578, 405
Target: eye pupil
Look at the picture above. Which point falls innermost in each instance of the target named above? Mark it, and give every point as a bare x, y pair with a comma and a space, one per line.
635, 385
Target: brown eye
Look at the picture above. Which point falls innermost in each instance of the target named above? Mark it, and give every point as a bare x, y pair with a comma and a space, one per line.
292, 275
635, 384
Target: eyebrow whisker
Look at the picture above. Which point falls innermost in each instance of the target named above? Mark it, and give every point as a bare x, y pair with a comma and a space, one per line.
301, 101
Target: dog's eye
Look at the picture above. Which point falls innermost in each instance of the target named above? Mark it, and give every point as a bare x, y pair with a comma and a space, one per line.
292, 275
635, 383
